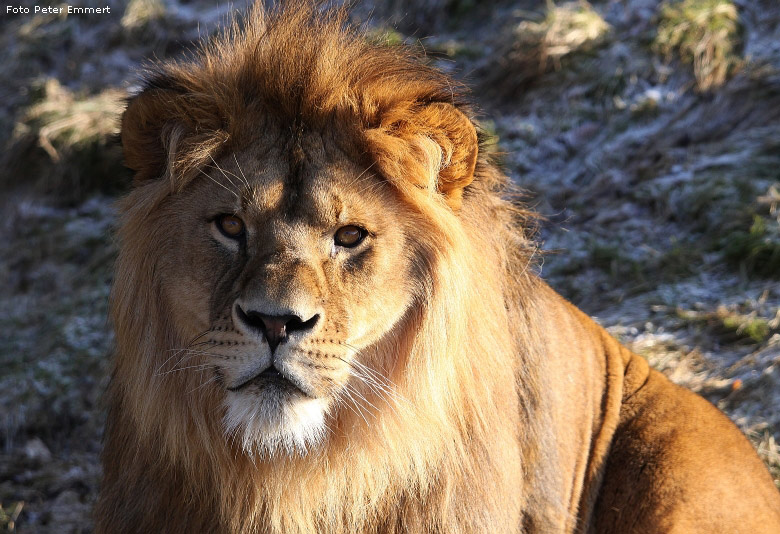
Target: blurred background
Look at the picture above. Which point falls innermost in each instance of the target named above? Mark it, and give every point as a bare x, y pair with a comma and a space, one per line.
646, 132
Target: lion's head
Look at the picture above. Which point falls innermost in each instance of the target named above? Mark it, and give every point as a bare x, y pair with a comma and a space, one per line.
316, 267
283, 264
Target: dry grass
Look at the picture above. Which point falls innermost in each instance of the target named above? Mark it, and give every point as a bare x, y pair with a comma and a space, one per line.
758, 249
140, 12
729, 326
9, 516
62, 122
769, 451
66, 145
568, 28
535, 48
704, 33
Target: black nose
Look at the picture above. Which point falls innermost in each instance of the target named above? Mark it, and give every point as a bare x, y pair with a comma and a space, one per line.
275, 328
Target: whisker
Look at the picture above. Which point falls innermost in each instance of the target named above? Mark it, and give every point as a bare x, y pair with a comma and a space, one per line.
189, 353
381, 392
371, 187
178, 351
209, 342
359, 176
246, 181
223, 172
341, 402
363, 398
207, 382
206, 353
355, 405
377, 383
199, 366
223, 186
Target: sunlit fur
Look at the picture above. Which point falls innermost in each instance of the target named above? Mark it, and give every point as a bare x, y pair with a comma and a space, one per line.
452, 421
453, 393
297, 428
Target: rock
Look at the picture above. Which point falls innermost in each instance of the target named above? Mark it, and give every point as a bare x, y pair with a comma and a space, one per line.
36, 451
68, 512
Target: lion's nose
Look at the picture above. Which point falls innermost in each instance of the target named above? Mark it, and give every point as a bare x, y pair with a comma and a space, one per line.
275, 328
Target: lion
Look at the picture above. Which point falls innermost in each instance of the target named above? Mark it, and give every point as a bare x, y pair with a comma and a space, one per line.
328, 320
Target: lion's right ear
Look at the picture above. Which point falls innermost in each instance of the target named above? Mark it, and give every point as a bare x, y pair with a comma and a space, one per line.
147, 125
168, 130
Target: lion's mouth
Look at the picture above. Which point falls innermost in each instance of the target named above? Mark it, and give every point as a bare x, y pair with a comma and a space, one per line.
271, 373
271, 376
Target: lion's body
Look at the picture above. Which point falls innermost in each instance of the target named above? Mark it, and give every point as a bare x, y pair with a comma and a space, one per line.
652, 456
433, 383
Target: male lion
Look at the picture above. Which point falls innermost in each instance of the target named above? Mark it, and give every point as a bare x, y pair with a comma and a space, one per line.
326, 322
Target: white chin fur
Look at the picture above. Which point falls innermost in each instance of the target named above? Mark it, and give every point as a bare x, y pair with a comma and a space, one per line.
271, 424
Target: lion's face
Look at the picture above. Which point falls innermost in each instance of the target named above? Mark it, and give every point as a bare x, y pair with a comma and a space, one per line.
281, 270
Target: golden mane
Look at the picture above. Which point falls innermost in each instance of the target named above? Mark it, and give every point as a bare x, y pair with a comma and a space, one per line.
300, 65
304, 67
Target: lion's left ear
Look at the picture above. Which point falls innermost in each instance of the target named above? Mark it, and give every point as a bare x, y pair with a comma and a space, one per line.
434, 146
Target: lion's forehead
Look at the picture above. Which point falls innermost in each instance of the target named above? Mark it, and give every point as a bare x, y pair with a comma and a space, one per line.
315, 187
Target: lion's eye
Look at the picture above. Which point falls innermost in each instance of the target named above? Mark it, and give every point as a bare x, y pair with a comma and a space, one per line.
349, 236
230, 225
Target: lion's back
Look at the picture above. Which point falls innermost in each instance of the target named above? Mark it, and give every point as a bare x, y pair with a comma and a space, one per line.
678, 464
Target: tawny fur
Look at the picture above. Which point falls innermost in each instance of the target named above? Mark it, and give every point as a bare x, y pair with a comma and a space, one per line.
495, 405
